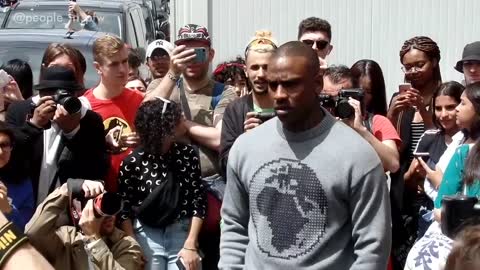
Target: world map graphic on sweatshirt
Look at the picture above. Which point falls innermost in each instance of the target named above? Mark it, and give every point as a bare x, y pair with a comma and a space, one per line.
289, 208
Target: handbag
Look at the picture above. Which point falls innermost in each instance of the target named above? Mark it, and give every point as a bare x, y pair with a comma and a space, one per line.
159, 208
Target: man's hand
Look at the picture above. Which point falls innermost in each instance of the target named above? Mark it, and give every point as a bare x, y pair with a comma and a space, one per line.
129, 140
112, 142
92, 188
251, 121
44, 112
73, 7
67, 122
12, 91
5, 206
181, 57
89, 223
190, 259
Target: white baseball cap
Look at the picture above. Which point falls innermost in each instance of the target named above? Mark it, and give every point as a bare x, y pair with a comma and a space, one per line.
159, 44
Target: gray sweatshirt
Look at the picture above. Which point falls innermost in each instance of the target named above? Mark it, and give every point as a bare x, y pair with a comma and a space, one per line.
311, 200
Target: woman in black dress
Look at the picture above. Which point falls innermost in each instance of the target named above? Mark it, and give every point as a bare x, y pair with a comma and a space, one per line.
160, 182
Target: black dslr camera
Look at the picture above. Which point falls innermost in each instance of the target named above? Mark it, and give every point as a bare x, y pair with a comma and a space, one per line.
70, 102
106, 204
458, 211
339, 106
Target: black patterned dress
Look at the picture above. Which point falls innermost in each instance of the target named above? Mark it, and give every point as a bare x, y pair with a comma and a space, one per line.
141, 172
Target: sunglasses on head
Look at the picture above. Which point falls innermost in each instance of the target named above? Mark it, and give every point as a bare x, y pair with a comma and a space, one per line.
321, 44
165, 103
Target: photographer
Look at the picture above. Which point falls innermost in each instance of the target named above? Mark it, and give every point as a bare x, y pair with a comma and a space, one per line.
376, 129
94, 244
57, 136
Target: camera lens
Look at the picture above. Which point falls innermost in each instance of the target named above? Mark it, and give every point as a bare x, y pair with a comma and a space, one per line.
71, 104
107, 204
344, 110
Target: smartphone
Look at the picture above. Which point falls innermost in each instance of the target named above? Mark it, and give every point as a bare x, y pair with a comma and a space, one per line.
423, 155
180, 264
4, 78
403, 87
200, 55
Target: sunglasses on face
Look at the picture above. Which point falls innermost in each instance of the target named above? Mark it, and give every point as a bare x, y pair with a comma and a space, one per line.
321, 44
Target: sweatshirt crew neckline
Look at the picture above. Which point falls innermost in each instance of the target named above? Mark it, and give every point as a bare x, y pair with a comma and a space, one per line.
327, 122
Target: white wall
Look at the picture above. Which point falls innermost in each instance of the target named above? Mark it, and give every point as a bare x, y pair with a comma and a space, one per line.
372, 29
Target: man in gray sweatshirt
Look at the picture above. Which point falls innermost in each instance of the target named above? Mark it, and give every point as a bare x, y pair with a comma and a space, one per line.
304, 191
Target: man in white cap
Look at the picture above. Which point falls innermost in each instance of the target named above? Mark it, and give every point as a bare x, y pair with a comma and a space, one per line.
158, 61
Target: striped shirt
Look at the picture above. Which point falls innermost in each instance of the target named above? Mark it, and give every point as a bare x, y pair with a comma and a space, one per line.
417, 129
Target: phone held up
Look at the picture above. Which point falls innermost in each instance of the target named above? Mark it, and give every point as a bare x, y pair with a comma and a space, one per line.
4, 80
423, 155
200, 55
404, 87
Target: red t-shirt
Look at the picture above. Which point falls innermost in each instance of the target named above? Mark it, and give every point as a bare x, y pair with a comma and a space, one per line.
383, 129
119, 111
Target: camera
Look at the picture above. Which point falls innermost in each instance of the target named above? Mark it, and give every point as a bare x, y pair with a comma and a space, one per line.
106, 204
457, 212
339, 106
70, 102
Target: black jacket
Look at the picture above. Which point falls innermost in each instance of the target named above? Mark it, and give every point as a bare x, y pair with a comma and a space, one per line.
83, 156
232, 126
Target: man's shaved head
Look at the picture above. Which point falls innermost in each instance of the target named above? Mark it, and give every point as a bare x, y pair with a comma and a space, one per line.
299, 49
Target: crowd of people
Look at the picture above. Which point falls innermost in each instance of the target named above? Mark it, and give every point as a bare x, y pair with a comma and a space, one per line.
276, 160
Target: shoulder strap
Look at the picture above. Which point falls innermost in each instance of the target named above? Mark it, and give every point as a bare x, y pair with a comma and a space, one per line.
217, 94
183, 100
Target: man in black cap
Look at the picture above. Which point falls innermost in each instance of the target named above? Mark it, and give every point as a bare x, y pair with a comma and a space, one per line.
469, 65
58, 136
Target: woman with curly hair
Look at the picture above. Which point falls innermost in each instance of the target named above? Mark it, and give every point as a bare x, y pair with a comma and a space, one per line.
160, 182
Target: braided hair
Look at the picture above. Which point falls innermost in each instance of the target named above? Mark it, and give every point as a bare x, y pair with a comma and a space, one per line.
426, 45
154, 124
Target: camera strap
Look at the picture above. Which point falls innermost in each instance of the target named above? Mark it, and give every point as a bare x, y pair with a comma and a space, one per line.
184, 100
11, 238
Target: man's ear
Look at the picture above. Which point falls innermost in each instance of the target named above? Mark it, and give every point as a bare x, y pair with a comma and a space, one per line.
97, 67
330, 48
211, 54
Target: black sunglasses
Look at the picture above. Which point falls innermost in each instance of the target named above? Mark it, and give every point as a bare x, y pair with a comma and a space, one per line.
321, 44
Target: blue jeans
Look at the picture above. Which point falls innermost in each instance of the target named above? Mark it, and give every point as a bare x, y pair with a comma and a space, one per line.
161, 245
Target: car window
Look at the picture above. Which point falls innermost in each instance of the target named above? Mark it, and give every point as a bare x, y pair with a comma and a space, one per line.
109, 22
33, 55
132, 37
139, 21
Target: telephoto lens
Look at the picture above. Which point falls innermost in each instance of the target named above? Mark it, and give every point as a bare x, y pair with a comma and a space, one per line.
457, 210
71, 103
107, 204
